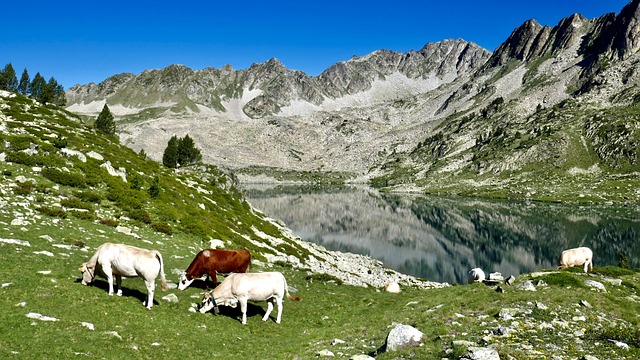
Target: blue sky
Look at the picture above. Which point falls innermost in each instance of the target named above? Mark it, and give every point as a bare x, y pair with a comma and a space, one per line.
79, 42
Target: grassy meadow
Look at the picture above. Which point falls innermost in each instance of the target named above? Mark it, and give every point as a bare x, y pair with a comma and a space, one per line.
56, 209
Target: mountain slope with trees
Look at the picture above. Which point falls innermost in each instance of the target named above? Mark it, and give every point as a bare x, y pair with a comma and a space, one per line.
551, 107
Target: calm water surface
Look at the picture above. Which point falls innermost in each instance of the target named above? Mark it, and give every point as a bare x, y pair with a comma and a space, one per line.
441, 239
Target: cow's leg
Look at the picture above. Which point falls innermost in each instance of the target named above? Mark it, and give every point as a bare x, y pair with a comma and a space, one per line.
243, 308
279, 303
269, 309
151, 286
119, 285
109, 275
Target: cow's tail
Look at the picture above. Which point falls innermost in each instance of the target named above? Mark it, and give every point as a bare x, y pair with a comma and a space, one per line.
162, 277
286, 290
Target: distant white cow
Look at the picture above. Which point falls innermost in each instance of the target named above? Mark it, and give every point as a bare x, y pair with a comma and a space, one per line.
241, 287
123, 260
582, 256
475, 275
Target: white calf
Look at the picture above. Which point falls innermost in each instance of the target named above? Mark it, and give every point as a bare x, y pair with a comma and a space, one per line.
124, 260
577, 257
475, 275
241, 287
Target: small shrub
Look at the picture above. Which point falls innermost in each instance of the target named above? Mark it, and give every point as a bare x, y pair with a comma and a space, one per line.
162, 227
52, 211
140, 215
24, 188
21, 157
76, 203
20, 142
84, 215
323, 278
88, 196
60, 142
64, 178
109, 222
564, 279
614, 271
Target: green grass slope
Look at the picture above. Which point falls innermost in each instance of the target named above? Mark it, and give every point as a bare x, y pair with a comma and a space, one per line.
56, 209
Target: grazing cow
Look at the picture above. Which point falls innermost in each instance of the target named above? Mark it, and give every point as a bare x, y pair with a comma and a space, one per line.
210, 262
577, 257
123, 260
475, 275
270, 286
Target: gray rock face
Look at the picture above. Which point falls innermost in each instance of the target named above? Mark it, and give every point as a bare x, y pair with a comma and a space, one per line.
366, 112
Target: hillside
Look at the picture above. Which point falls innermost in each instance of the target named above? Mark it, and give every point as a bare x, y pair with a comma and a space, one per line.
67, 189
57, 171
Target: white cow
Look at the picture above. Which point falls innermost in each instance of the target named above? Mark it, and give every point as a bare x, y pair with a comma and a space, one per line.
241, 287
475, 275
124, 260
577, 257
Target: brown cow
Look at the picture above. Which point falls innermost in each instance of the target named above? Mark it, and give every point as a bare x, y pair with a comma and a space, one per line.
211, 261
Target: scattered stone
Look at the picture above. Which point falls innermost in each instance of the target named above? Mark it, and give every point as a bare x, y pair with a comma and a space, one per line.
22, 304
172, 298
620, 344
361, 357
155, 344
217, 244
325, 353
88, 325
44, 252
496, 276
114, 334
507, 314
403, 336
506, 330
614, 282
41, 317
435, 308
595, 284
588, 357
4, 285
44, 272
15, 242
94, 155
585, 304
541, 306
541, 283
335, 342
526, 286
510, 280
18, 222
481, 353
392, 287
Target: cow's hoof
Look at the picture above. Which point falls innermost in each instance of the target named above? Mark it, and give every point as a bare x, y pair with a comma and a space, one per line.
110, 294
119, 293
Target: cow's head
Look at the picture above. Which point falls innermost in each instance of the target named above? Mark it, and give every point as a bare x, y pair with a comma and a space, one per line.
184, 282
208, 303
88, 274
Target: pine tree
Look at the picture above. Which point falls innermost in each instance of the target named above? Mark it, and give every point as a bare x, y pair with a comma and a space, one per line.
187, 152
8, 79
23, 86
170, 156
105, 122
37, 86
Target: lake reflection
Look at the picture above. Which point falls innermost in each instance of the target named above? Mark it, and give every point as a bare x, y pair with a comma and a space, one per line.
441, 239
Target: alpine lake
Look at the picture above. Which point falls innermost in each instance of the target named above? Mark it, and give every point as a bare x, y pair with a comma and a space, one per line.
442, 238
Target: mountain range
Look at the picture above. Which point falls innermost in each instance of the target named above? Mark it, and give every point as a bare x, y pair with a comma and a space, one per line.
550, 109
